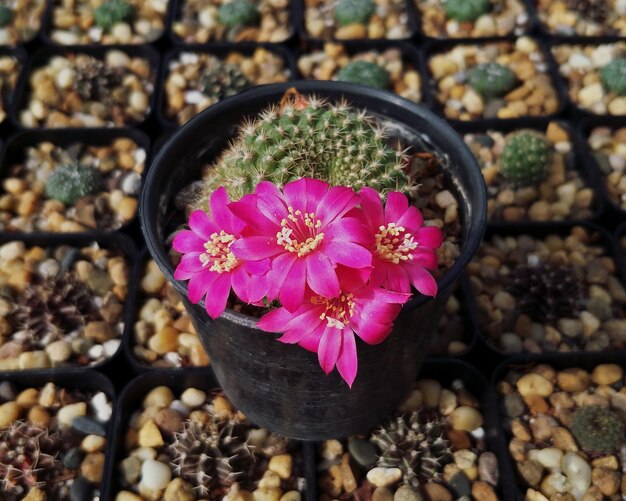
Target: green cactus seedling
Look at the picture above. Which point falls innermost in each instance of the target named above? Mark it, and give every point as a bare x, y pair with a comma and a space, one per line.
223, 80
491, 80
597, 429
238, 13
354, 11
524, 160
366, 73
70, 182
466, 10
613, 76
112, 12
6, 16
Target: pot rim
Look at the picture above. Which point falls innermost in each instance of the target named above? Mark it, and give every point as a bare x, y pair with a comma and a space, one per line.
148, 211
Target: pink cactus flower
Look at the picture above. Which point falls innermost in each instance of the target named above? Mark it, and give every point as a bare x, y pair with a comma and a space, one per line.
208, 262
404, 250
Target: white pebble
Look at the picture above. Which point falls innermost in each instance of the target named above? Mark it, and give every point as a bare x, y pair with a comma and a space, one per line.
155, 475
131, 184
383, 477
550, 457
101, 407
65, 78
578, 473
193, 397
96, 352
111, 346
138, 101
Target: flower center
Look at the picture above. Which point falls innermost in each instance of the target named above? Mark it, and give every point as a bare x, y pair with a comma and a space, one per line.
218, 253
338, 310
394, 243
299, 232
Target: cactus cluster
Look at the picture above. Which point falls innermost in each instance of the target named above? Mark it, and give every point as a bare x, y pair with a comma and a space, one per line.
94, 80
354, 11
112, 12
308, 138
491, 80
6, 15
466, 10
414, 445
613, 76
597, 429
525, 158
238, 13
72, 181
222, 80
365, 73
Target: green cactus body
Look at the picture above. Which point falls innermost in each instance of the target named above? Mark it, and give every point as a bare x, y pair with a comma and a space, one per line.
366, 73
491, 79
613, 76
112, 12
597, 429
223, 80
525, 158
354, 11
238, 13
466, 10
6, 16
70, 182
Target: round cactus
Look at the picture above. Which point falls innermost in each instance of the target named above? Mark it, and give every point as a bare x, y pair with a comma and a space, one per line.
6, 15
70, 182
597, 429
491, 79
238, 13
223, 80
524, 160
366, 73
466, 10
112, 12
354, 11
613, 76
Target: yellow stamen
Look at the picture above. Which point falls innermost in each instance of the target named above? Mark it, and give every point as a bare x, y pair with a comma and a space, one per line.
299, 232
218, 253
394, 243
338, 311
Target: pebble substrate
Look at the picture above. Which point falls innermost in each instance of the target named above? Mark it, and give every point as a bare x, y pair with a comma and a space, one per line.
605, 18
26, 22
609, 148
10, 68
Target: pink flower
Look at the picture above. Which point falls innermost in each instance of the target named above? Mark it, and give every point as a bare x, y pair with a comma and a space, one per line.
327, 326
404, 250
305, 232
209, 264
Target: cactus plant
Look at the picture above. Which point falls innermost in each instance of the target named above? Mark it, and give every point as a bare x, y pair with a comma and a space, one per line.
70, 182
525, 158
491, 79
613, 76
222, 80
354, 11
6, 16
597, 429
414, 445
112, 12
238, 13
366, 73
466, 10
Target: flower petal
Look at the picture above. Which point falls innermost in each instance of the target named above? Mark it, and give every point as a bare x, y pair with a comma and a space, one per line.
305, 194
202, 225
422, 280
270, 202
396, 206
187, 241
429, 236
248, 288
347, 361
373, 332
424, 257
349, 228
199, 284
292, 292
217, 296
189, 265
321, 275
275, 320
348, 254
328, 349
255, 248
221, 214
412, 219
372, 208
277, 275
247, 210
337, 201
397, 279
311, 340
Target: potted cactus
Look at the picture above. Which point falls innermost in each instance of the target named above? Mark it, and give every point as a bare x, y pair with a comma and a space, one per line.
356, 139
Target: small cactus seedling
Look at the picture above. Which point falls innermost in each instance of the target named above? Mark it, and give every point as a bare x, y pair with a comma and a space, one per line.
223, 80
613, 76
70, 182
597, 429
112, 12
491, 80
238, 13
466, 10
354, 11
6, 16
525, 158
366, 73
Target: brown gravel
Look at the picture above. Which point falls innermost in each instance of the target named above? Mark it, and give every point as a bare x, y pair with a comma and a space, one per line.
10, 69
561, 20
453, 337
27, 17
609, 148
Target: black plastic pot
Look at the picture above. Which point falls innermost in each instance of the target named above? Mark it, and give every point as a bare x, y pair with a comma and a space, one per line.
278, 386
9, 100
130, 400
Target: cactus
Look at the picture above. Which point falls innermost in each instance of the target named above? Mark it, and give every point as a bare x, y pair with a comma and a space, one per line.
414, 445
308, 138
6, 16
366, 73
597, 429
466, 10
112, 12
238, 13
613, 76
354, 11
491, 79
223, 80
70, 182
525, 158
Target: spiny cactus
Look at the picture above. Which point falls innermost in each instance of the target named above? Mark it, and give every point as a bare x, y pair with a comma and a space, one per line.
112, 12
354, 11
414, 445
597, 429
238, 13
491, 79
366, 73
308, 138
466, 10
95, 80
6, 16
70, 182
525, 158
596, 10
223, 80
613, 76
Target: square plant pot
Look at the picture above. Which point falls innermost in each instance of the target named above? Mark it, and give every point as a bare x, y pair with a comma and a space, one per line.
68, 181
564, 19
12, 66
21, 21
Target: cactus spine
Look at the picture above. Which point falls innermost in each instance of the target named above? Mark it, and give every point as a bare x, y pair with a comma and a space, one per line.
525, 158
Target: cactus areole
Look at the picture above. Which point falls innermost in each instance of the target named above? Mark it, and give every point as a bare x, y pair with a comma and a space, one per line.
279, 385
